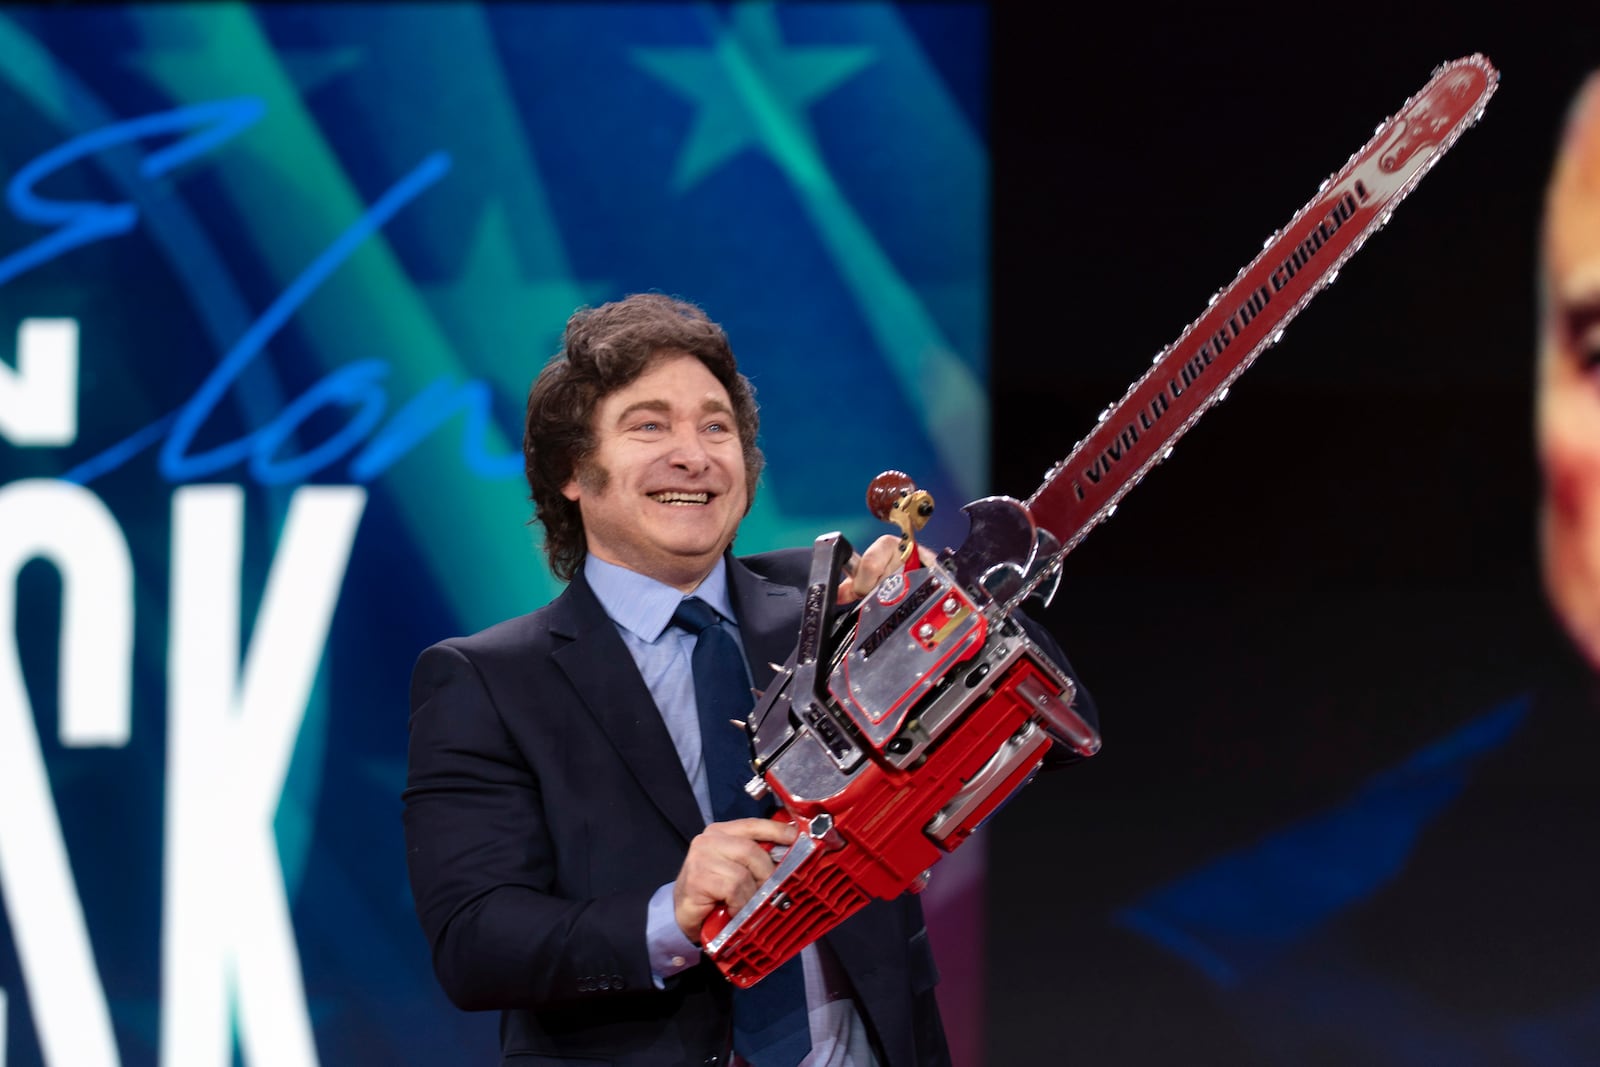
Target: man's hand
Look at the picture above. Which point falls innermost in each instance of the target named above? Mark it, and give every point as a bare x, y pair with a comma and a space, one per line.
881, 559
726, 865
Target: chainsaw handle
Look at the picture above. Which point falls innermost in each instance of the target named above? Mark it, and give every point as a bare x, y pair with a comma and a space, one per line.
719, 917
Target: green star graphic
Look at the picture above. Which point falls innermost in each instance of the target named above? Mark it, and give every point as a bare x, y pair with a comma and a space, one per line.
750, 90
504, 324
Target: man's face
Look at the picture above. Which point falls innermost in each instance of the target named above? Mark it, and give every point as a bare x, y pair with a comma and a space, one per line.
665, 489
1569, 380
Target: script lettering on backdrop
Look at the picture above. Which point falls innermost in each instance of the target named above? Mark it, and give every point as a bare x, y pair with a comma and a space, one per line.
228, 951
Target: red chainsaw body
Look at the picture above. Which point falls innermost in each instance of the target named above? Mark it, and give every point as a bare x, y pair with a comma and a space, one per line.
952, 726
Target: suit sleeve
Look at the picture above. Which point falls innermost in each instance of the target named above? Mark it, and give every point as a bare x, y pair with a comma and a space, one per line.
482, 863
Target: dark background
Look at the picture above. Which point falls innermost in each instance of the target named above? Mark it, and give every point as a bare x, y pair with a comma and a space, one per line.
1340, 563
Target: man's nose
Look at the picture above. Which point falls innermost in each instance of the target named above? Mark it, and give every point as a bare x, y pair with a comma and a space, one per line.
689, 451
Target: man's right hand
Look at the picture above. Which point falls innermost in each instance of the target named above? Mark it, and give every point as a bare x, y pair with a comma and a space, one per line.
726, 865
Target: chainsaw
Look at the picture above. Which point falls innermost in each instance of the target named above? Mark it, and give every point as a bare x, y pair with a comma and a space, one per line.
901, 723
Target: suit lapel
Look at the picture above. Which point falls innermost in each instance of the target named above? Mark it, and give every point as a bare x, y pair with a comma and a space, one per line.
598, 665
602, 671
769, 619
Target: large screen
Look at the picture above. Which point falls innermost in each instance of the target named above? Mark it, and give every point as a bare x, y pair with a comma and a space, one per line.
274, 281
1344, 641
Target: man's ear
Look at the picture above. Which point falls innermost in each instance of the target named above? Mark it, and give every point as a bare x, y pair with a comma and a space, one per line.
571, 490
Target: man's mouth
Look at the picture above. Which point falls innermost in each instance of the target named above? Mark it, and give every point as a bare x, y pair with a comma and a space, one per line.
672, 496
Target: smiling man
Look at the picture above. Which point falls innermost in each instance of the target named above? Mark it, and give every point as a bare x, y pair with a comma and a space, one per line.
573, 804
666, 486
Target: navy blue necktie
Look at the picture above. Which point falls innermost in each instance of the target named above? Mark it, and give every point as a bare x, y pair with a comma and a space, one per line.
770, 1023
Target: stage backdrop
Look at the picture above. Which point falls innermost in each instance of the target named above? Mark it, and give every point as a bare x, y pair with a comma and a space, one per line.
273, 283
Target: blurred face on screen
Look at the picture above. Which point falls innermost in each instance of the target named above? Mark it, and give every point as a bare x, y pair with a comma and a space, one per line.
1568, 415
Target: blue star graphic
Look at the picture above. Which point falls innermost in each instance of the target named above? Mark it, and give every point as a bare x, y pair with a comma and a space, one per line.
750, 90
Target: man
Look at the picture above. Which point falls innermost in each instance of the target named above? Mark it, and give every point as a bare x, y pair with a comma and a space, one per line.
563, 837
1568, 398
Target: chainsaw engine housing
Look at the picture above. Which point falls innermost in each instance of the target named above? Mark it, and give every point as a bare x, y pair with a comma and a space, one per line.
893, 732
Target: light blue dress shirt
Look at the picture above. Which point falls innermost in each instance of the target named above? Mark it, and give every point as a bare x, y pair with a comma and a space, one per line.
642, 609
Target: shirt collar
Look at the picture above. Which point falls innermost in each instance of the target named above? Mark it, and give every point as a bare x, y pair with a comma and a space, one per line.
642, 605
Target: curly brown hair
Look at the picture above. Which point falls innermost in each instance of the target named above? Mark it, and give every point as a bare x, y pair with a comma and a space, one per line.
605, 349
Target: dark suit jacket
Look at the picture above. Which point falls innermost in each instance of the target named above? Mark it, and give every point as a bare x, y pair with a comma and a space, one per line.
545, 804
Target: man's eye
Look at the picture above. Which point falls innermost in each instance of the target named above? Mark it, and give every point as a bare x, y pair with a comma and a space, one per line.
647, 427
718, 427
1581, 324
